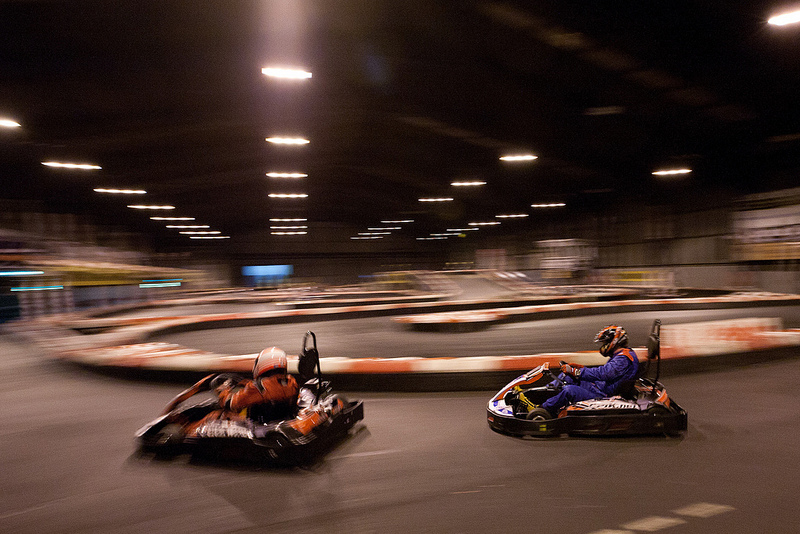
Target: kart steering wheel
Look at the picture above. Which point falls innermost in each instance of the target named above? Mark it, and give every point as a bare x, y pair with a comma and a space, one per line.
558, 376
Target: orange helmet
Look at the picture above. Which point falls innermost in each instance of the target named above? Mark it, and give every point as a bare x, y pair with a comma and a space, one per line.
269, 359
612, 338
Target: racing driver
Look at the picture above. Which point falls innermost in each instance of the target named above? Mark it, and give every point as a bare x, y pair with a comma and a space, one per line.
584, 383
272, 392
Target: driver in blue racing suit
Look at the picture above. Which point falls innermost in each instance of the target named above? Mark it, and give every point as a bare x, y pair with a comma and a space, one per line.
584, 383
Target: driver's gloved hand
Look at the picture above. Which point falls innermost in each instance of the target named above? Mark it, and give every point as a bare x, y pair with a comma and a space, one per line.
574, 372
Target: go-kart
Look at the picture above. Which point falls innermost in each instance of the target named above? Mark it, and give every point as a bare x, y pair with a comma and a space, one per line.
639, 407
320, 418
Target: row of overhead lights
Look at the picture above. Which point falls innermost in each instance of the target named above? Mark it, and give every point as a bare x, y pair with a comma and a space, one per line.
379, 232
477, 225
190, 230
287, 226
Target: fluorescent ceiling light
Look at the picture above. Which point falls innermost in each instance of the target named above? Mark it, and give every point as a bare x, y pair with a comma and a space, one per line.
550, 205
369, 237
302, 227
288, 233
468, 184
487, 223
398, 222
288, 220
430, 238
38, 288
81, 166
187, 226
160, 284
20, 273
172, 218
463, 229
290, 74
120, 191
387, 228
211, 232
519, 157
785, 18
436, 199
287, 174
288, 140
374, 233
8, 123
150, 207
669, 172
288, 195
512, 216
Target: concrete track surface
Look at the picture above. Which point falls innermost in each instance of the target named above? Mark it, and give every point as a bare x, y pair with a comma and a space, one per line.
417, 463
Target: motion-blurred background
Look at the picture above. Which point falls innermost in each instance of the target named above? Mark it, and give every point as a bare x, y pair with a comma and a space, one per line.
322, 142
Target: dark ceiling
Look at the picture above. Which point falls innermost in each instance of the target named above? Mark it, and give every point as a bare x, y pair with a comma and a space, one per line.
406, 97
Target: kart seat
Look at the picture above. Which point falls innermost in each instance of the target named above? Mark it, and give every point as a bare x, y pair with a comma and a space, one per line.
264, 413
626, 389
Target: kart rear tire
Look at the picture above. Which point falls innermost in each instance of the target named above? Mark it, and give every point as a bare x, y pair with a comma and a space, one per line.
538, 414
168, 441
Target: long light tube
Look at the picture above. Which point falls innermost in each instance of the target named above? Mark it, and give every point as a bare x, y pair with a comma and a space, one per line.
287, 175
289, 74
473, 183
288, 195
20, 273
549, 205
519, 157
287, 140
669, 172
120, 191
80, 166
785, 18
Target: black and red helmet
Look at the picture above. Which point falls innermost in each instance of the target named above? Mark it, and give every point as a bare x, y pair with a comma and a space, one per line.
612, 337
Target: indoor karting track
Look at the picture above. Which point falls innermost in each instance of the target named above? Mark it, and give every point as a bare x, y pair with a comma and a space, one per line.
381, 337
418, 462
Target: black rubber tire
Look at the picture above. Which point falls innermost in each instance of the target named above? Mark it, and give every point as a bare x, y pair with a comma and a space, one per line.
538, 414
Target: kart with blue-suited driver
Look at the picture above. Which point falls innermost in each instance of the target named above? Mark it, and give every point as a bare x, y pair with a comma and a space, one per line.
638, 407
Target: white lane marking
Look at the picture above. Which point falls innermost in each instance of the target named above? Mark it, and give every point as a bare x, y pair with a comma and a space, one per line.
703, 509
653, 523
361, 454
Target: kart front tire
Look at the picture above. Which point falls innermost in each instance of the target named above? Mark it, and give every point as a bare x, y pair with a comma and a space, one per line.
657, 410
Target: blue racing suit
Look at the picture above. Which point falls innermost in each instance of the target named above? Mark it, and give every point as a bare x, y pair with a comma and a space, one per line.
595, 382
